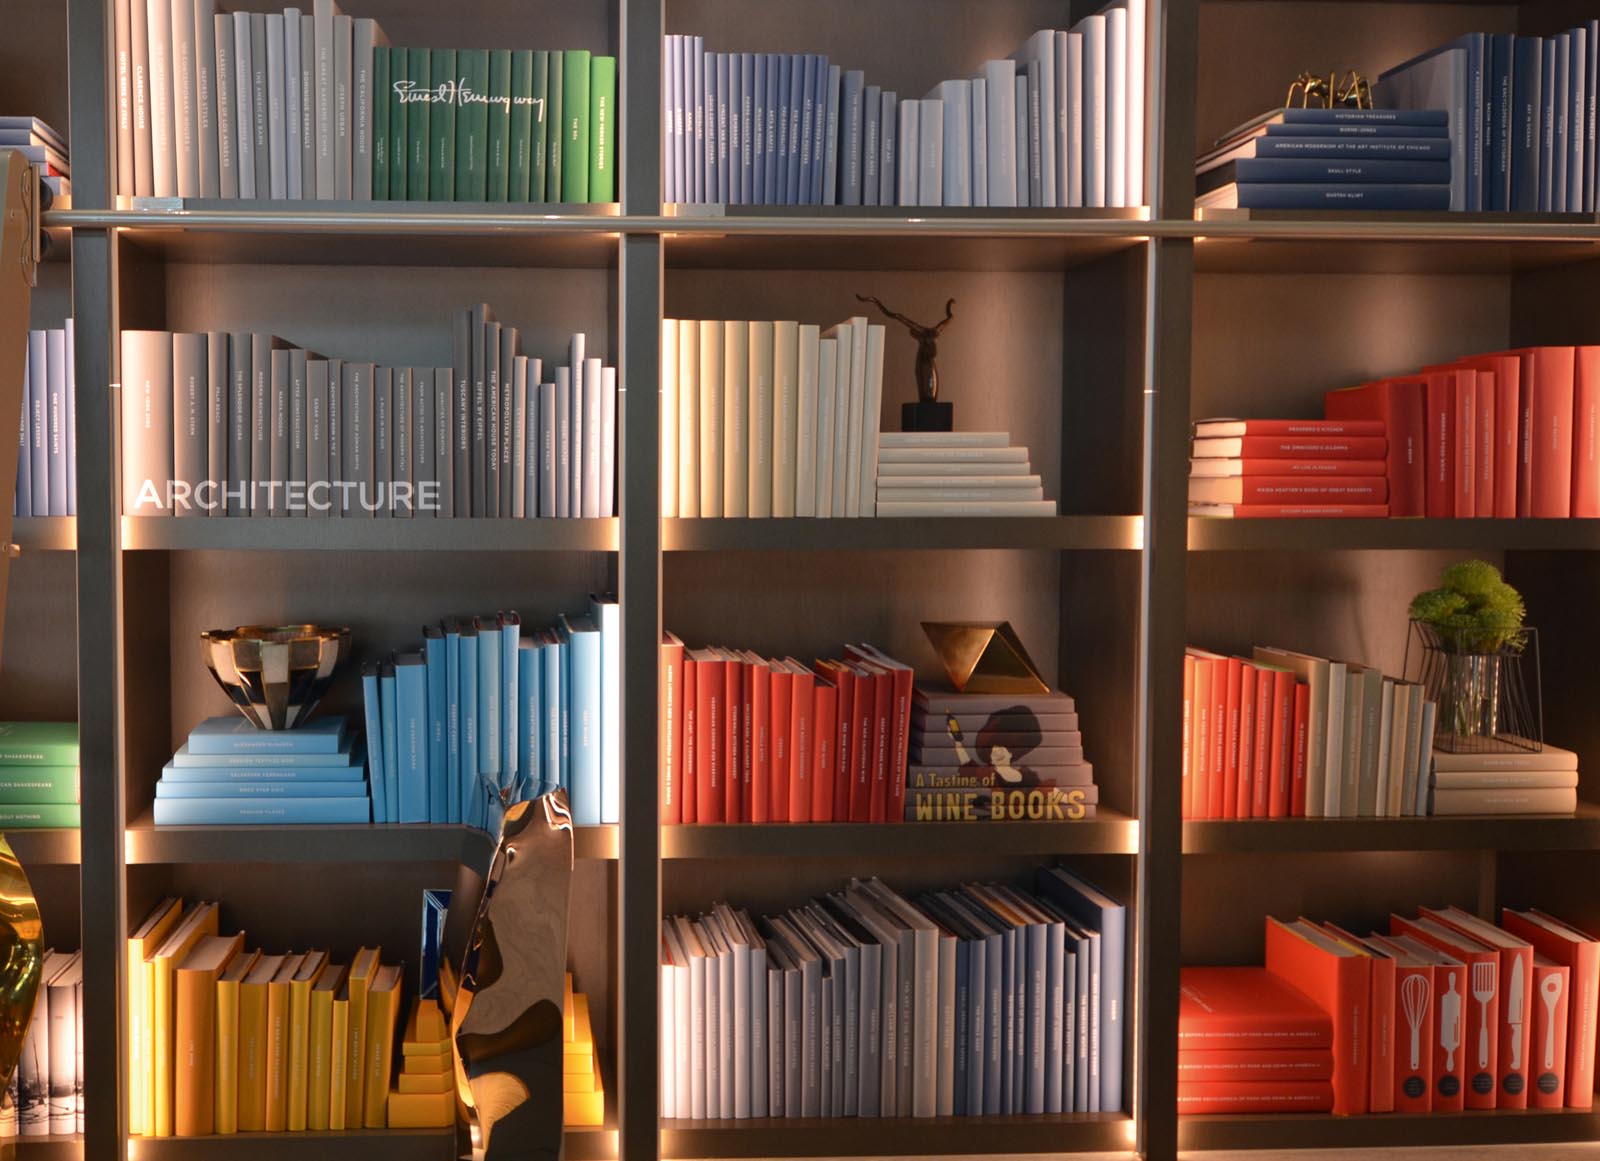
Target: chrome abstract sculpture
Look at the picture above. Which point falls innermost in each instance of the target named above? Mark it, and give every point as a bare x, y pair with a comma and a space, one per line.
275, 674
505, 999
21, 963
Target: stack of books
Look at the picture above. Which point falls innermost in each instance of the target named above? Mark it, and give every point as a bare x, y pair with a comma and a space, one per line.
247, 424
38, 774
1249, 1042
47, 456
965, 473
752, 739
424, 1095
1523, 780
1058, 123
983, 756
869, 1003
1331, 159
487, 713
582, 1091
231, 772
46, 151
46, 1088
1289, 467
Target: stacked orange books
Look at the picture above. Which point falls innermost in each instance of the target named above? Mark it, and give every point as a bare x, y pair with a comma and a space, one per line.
1288, 467
424, 1093
581, 1088
1250, 1042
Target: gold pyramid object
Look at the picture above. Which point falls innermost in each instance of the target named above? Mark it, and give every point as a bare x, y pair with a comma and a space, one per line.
984, 657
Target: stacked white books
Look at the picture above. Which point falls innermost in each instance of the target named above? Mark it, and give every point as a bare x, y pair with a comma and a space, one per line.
1509, 781
44, 148
957, 473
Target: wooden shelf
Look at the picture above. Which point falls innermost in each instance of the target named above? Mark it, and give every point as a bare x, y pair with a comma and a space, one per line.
377, 1144
1569, 832
176, 534
52, 1148
45, 533
1109, 833
1209, 534
899, 1136
1308, 1131
47, 846
902, 534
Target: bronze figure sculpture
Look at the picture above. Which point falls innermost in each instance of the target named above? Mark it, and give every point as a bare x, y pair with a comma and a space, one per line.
928, 413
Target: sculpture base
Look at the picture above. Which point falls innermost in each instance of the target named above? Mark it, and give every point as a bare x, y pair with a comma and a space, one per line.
934, 416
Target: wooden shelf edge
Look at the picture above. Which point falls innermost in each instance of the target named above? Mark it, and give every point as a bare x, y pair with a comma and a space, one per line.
1574, 832
1389, 1130
166, 533
877, 534
1108, 833
378, 1144
1209, 534
45, 846
45, 533
66, 1147
899, 1136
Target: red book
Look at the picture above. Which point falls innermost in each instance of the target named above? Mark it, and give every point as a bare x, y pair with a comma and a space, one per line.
1549, 1047
1187, 765
1474, 998
1300, 739
671, 742
1580, 952
1261, 752
1218, 740
1240, 801
1292, 511
1210, 469
862, 716
759, 756
780, 710
1503, 426
1275, 1096
1459, 388
733, 800
843, 681
899, 725
1380, 1020
709, 771
1293, 447
825, 780
1225, 790
1516, 1001
801, 733
1484, 436
1282, 743
1289, 490
1444, 1031
1586, 433
1204, 664
1399, 403
1247, 1008
1211, 428
1440, 492
1411, 1042
879, 739
690, 810
1548, 375
1337, 980
1225, 1065
747, 708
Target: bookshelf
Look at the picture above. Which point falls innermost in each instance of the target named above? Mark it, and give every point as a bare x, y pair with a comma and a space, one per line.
1094, 336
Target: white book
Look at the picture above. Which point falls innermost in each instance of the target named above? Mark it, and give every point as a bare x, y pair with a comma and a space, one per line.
1116, 106
1071, 87
291, 104
716, 1022
687, 458
902, 508
1133, 121
323, 13
930, 153
185, 92
682, 1015
1333, 768
122, 46
208, 128
759, 415
967, 455
844, 406
1023, 105
63, 1033
890, 486
669, 417
785, 414
1040, 51
1385, 737
608, 441
1000, 78
277, 127
855, 499
711, 377
139, 98
1093, 29
805, 461
1394, 803
163, 148
759, 1030
908, 145
668, 1038
593, 434
365, 34
891, 470
980, 141
955, 99
697, 1018
871, 417
736, 419
946, 491
827, 401
244, 107
227, 119
146, 422
937, 441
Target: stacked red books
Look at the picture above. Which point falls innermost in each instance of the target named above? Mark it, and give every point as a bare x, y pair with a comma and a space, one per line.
1289, 467
1250, 1042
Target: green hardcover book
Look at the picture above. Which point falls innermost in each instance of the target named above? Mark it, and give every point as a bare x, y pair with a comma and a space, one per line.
602, 129
575, 125
499, 117
537, 128
519, 141
38, 743
20, 817
442, 127
472, 125
380, 123
399, 160
38, 785
552, 130
418, 142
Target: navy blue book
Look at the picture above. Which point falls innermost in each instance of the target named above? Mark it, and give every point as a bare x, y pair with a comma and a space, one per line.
1296, 169
510, 641
1394, 148
253, 812
819, 130
233, 734
1547, 124
452, 725
758, 129
1591, 180
1315, 196
411, 736
254, 788
390, 790
1356, 131
530, 713
433, 654
471, 795
1366, 116
1578, 104
808, 140
795, 113
778, 187
1561, 146
289, 775
583, 720
1499, 153
1526, 102
350, 755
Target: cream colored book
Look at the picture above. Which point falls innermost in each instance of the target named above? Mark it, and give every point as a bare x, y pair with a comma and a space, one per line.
735, 420
785, 414
687, 456
711, 414
669, 417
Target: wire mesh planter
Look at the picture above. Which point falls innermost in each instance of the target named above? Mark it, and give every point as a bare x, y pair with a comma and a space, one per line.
1487, 702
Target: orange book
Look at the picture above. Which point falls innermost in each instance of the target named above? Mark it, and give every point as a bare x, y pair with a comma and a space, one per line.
1516, 1001
1278, 1096
825, 780
748, 663
1233, 1065
1282, 743
1455, 389
878, 742
1412, 1046
1581, 953
1186, 765
1338, 980
252, 1067
802, 760
708, 726
671, 727
1586, 434
1204, 666
843, 683
780, 709
194, 1061
1261, 750
278, 1032
902, 679
733, 804
1548, 1046
1380, 1023
1483, 453
1226, 788
1448, 1094
1472, 998
1241, 801
1544, 476
1503, 426
688, 773
1298, 741
1246, 1008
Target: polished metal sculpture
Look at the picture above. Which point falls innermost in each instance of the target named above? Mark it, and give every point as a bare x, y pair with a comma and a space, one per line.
505, 999
275, 674
21, 963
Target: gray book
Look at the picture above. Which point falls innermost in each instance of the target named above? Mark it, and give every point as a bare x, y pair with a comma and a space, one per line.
608, 441
841, 958
461, 413
324, 13
1371, 739
146, 428
547, 449
864, 1047
319, 496
1353, 719
795, 1024
491, 418
909, 139
201, 15
356, 438
244, 106
871, 145
260, 104
713, 1018
216, 423
853, 135
308, 105
261, 421
506, 427
295, 501
888, 150
163, 122
291, 104
1025, 175
139, 98
279, 453
444, 441
122, 45
593, 413
424, 429
190, 400
343, 95
56, 420
563, 442
240, 445
227, 115
760, 1009
277, 129
918, 995
864, 912
776, 1026
831, 133
402, 470
338, 495
364, 34
383, 422
740, 1076
519, 474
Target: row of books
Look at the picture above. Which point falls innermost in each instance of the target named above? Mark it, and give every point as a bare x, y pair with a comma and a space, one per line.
1283, 734
46, 1087
1244, 468
966, 473
1513, 777
1058, 123
1442, 1012
39, 781
769, 418
241, 424
316, 105
487, 713
47, 459
46, 151
981, 1000
1522, 116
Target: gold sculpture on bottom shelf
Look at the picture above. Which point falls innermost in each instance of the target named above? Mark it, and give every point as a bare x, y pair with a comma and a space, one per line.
21, 964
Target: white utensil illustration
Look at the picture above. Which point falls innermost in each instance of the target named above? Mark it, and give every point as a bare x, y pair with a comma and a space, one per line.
1514, 1014
1414, 996
1550, 993
1450, 1022
1483, 980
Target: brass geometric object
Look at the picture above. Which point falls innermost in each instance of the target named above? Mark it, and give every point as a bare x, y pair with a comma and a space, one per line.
984, 657
275, 675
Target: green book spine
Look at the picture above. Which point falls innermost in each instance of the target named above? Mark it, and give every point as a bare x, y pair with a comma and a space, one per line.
418, 142
472, 126
536, 129
575, 126
380, 123
38, 744
519, 140
38, 785
552, 130
499, 118
14, 817
442, 128
399, 160
602, 129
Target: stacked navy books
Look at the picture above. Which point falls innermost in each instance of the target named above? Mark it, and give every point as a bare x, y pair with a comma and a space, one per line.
45, 149
1332, 159
230, 772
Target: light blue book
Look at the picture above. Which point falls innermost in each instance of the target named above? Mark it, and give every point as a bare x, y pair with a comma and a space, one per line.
530, 728
347, 775
552, 665
607, 616
510, 640
491, 687
371, 700
350, 755
390, 790
255, 788
252, 812
433, 654
411, 736
583, 718
452, 727
233, 734
471, 797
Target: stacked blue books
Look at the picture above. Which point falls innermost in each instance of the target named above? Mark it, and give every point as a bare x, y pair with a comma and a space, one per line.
231, 773
1333, 159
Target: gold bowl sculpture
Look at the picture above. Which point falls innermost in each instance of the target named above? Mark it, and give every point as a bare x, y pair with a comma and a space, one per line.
275, 674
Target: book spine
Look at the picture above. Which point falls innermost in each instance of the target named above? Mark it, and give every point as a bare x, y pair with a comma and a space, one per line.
381, 136
602, 122
442, 119
258, 77
575, 128
519, 127
163, 147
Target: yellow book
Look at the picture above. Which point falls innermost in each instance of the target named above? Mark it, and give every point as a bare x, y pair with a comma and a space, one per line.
200, 922
383, 1011
194, 989
366, 962
253, 1043
319, 1055
429, 1022
300, 986
581, 1039
577, 1063
567, 1010
425, 1047
146, 937
429, 1064
421, 1110
227, 1073
421, 1082
278, 1044
584, 1110
581, 1082
338, 1053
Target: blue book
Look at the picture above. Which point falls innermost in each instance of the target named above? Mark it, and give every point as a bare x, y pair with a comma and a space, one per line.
724, 111
490, 689
411, 735
552, 700
1355, 131
1561, 118
583, 717
248, 788
510, 639
233, 734
872, 146
1547, 124
1446, 79
713, 109
1591, 181
1577, 119
606, 614
390, 790
253, 812
696, 99
346, 775
1392, 148
1367, 116
471, 797
22, 503
759, 153
830, 136
1256, 169
433, 654
819, 128
1099, 912
530, 717
852, 135
1526, 103
794, 114
351, 755
1476, 44
1318, 196
1498, 160
452, 726
735, 127
808, 140
748, 95
778, 140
